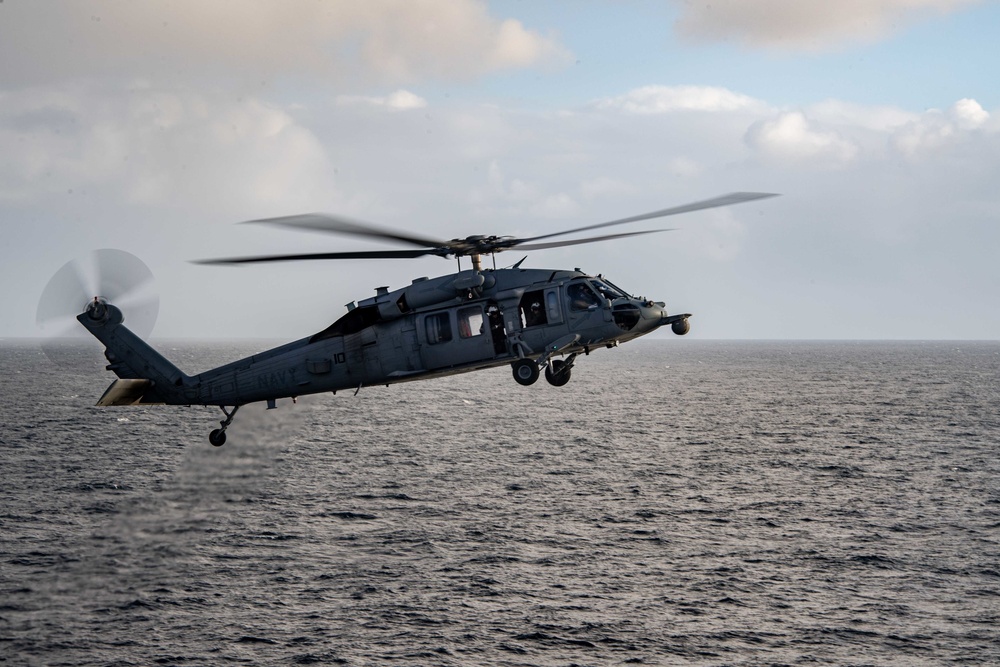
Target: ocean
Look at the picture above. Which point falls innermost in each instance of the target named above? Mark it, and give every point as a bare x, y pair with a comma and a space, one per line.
678, 502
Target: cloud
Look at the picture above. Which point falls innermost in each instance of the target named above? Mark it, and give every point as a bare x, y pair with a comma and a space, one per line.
168, 169
968, 114
719, 238
400, 100
666, 99
604, 186
509, 196
810, 25
154, 147
876, 118
832, 134
557, 206
791, 137
388, 41
684, 167
935, 129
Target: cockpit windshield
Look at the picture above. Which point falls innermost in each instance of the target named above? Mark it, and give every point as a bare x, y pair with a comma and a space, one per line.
607, 290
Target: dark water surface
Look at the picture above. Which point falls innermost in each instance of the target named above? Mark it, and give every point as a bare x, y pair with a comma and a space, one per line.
678, 502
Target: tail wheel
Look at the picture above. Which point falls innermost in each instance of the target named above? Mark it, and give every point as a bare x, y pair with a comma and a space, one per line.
525, 371
681, 327
558, 373
217, 437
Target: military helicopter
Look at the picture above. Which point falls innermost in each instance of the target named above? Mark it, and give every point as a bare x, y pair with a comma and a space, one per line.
534, 320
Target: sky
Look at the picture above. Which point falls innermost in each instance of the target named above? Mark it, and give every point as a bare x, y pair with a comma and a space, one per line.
155, 127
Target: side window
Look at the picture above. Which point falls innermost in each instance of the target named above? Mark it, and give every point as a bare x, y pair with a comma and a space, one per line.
581, 297
552, 305
532, 309
438, 328
470, 322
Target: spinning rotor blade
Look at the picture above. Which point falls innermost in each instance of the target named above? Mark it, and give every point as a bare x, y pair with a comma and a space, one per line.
361, 254
474, 246
592, 239
321, 222
65, 296
114, 275
724, 200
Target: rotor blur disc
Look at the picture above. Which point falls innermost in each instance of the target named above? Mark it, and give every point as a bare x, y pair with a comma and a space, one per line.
116, 276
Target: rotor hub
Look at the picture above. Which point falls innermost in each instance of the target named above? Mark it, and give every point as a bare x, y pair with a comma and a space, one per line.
97, 309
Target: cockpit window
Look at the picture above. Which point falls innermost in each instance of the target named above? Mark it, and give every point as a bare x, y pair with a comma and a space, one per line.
582, 297
607, 290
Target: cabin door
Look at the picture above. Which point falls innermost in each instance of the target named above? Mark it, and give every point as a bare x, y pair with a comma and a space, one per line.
456, 337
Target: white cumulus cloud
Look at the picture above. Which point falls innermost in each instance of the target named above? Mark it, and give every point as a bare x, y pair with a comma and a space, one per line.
400, 100
664, 99
155, 147
968, 114
792, 137
936, 129
878, 118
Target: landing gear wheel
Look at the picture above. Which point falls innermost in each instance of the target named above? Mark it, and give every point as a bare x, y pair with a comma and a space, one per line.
681, 327
218, 436
525, 371
558, 373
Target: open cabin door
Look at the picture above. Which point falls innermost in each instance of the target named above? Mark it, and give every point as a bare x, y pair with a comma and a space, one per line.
541, 316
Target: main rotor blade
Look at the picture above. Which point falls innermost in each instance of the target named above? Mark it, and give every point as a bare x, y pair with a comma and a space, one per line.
322, 222
363, 254
592, 239
724, 200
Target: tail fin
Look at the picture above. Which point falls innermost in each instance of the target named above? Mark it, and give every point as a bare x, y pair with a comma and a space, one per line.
131, 358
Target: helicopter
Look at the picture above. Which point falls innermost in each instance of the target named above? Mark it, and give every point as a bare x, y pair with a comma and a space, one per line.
537, 321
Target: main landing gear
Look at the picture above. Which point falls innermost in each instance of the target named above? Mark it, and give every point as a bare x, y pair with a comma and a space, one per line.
525, 371
557, 372
218, 436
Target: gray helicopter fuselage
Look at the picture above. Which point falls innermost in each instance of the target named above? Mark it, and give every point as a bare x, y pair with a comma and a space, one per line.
442, 326
461, 322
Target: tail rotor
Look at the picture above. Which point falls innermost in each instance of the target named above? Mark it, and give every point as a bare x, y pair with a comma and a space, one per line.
102, 276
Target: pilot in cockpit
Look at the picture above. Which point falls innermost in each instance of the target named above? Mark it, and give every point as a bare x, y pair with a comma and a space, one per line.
581, 297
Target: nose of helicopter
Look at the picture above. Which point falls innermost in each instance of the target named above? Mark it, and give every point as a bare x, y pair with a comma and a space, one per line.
653, 315
678, 323
638, 316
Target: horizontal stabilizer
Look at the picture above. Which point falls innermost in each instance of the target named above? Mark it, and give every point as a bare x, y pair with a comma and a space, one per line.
126, 392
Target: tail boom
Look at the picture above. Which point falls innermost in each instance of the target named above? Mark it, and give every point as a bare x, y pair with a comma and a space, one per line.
146, 375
